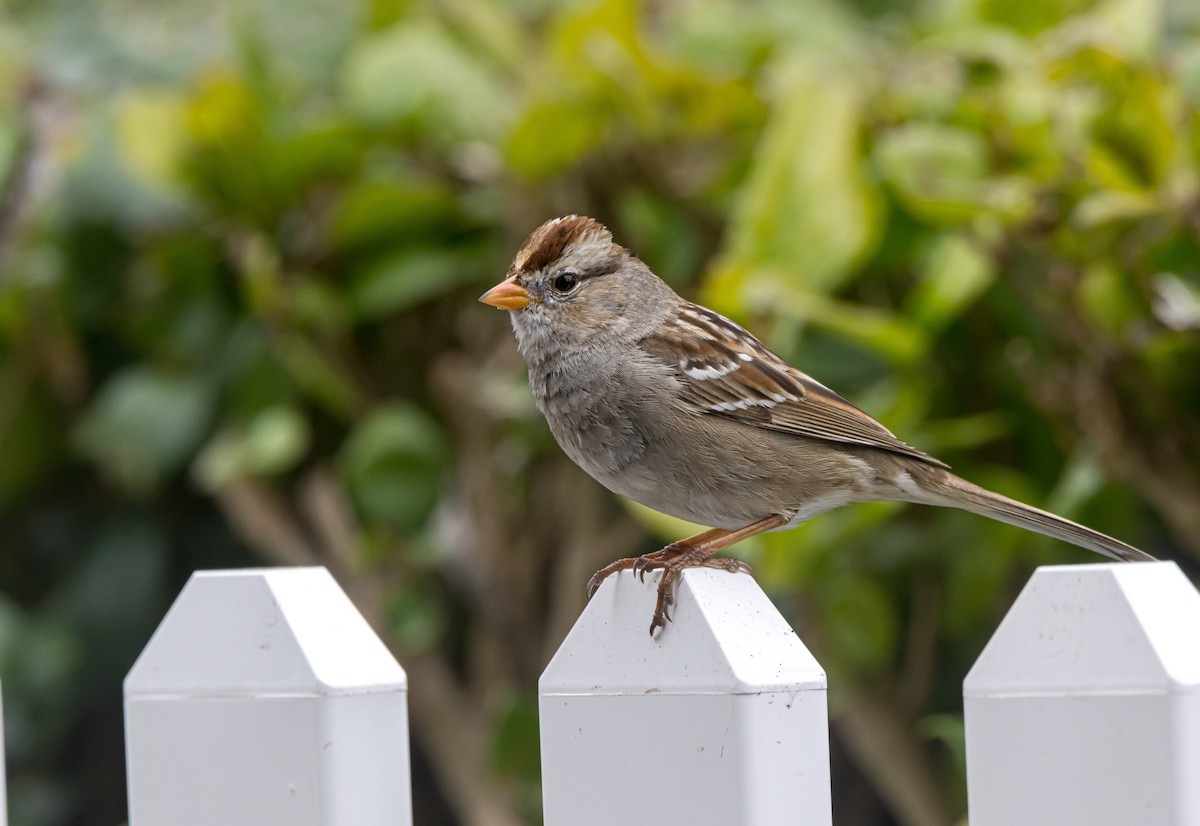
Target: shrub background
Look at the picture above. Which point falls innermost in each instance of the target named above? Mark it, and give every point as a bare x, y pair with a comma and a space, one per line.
240, 246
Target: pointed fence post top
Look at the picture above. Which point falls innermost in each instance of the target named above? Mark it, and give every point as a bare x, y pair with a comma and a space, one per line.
263, 632
726, 638
1107, 627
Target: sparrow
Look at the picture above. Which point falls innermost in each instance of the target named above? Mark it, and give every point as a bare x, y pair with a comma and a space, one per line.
675, 406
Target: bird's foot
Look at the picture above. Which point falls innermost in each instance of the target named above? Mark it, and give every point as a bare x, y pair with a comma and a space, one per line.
638, 564
671, 560
689, 558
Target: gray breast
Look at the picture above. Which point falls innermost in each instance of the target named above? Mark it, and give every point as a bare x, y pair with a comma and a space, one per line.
588, 410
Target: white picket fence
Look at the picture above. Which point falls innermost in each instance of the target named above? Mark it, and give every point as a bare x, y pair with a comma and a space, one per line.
264, 699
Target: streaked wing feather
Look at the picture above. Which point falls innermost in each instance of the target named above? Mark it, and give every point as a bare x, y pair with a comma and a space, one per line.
725, 371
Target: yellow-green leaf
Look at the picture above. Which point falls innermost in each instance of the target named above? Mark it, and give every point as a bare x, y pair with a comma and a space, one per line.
805, 208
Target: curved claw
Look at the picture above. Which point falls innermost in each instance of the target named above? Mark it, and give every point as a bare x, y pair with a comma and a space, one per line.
666, 597
734, 566
643, 565
647, 562
660, 619
604, 573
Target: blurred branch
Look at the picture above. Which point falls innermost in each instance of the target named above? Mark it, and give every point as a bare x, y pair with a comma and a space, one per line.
19, 187
1100, 391
260, 516
529, 575
881, 741
15, 187
328, 510
449, 720
921, 660
587, 538
454, 731
16, 376
1168, 484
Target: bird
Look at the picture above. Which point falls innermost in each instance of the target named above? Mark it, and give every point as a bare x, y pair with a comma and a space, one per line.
677, 407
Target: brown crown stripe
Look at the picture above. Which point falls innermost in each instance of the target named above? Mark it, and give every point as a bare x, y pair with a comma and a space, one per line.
547, 243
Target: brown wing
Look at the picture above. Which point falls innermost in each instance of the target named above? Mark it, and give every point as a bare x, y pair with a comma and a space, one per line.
725, 371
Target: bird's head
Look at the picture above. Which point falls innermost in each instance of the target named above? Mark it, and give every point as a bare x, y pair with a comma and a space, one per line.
570, 282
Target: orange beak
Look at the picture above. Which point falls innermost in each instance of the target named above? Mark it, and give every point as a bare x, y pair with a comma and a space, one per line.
507, 295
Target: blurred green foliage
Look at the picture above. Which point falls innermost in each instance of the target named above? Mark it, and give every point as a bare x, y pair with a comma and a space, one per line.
239, 251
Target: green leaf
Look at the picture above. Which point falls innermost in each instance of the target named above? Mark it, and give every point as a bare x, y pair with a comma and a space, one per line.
275, 440
554, 134
968, 432
1139, 129
949, 729
1081, 480
1130, 27
1186, 66
515, 750
861, 620
1108, 206
393, 463
299, 161
415, 617
663, 233
941, 174
319, 375
805, 208
390, 212
114, 596
40, 654
889, 334
1110, 299
1109, 171
151, 128
955, 273
9, 144
407, 278
144, 424
975, 582
1030, 17
31, 428
414, 73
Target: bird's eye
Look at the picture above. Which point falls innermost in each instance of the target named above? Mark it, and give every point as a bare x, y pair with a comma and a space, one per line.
566, 282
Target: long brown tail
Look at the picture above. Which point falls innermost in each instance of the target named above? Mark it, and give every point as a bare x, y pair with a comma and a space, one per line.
944, 488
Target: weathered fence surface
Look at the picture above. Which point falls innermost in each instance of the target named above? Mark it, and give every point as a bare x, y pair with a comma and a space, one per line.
265, 699
1085, 706
719, 720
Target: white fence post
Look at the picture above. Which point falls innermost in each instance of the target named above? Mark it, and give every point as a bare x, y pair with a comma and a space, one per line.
265, 698
719, 720
1085, 705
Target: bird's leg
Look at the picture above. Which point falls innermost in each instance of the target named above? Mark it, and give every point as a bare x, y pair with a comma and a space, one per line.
698, 555
693, 552
659, 559
651, 561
